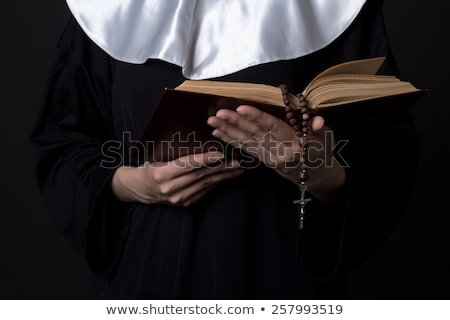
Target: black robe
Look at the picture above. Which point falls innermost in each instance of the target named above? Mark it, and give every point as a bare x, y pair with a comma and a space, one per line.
242, 239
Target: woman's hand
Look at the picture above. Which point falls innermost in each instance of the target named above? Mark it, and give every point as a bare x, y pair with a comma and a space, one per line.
274, 142
180, 182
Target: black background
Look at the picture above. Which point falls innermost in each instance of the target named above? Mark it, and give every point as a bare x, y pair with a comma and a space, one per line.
37, 263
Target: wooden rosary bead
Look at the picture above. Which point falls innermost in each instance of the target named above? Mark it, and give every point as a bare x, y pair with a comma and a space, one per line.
303, 176
304, 157
301, 132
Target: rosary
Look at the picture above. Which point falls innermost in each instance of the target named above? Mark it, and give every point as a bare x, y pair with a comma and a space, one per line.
301, 132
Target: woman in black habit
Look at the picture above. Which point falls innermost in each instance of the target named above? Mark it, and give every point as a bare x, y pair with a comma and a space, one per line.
214, 231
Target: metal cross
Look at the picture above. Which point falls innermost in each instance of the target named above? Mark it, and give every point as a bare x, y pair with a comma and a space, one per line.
301, 207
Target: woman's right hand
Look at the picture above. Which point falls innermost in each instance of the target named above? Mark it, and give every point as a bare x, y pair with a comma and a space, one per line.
180, 182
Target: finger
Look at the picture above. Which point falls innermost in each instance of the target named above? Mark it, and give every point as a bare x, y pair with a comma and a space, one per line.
269, 151
260, 118
318, 128
199, 160
281, 146
317, 123
193, 192
178, 167
237, 129
233, 127
321, 143
170, 187
279, 129
190, 200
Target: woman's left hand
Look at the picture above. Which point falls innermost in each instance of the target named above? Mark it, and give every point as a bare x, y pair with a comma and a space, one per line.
274, 142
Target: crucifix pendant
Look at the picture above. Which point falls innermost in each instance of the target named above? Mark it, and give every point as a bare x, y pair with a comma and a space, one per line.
301, 207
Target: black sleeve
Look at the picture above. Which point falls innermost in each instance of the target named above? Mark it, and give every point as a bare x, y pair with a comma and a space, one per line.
74, 121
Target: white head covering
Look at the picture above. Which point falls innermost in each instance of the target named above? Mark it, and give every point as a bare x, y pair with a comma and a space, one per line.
211, 38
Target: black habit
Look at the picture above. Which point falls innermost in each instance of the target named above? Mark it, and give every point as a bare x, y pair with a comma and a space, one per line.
242, 240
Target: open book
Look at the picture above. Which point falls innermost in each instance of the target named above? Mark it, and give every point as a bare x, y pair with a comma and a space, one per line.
344, 83
347, 92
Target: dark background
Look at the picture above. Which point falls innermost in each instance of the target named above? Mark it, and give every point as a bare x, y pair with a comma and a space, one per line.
37, 263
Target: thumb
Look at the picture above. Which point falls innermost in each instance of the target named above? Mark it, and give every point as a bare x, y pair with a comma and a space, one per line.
318, 128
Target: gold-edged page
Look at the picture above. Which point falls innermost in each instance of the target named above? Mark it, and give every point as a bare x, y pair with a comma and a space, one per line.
249, 91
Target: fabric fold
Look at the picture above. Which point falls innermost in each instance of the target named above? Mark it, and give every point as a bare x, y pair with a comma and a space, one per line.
213, 38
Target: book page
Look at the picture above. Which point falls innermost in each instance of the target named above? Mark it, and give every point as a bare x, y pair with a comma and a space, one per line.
249, 91
364, 66
334, 94
350, 79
